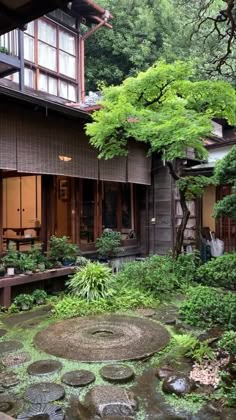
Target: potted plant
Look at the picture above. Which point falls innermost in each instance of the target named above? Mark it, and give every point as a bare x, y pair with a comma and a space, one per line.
2, 270
27, 263
4, 50
39, 296
62, 251
108, 245
24, 302
11, 260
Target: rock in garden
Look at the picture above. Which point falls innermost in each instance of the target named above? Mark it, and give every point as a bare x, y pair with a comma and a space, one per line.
117, 373
2, 332
15, 359
177, 384
10, 346
10, 405
44, 367
42, 411
43, 393
78, 378
164, 372
147, 313
8, 379
110, 401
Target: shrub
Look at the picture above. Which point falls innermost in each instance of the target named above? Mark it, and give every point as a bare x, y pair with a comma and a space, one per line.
127, 298
23, 301
39, 296
207, 306
188, 345
92, 281
108, 245
228, 341
186, 266
219, 272
60, 249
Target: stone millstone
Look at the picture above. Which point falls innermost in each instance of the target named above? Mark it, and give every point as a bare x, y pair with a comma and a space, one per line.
15, 359
42, 411
10, 405
117, 373
44, 393
103, 338
78, 378
44, 367
110, 401
8, 379
10, 346
2, 332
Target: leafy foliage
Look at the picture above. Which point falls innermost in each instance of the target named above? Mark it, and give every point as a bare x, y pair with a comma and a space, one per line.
208, 306
108, 245
228, 341
186, 266
39, 296
188, 345
193, 186
226, 207
92, 281
219, 272
11, 259
60, 249
23, 301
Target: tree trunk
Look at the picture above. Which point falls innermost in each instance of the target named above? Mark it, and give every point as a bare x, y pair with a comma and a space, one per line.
186, 213
180, 231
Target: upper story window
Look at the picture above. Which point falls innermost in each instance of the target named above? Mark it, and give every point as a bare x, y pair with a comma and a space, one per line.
29, 42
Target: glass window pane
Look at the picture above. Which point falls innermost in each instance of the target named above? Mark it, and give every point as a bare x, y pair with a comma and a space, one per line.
47, 56
28, 48
43, 82
67, 42
67, 64
71, 93
29, 77
63, 89
87, 212
109, 206
47, 33
30, 28
126, 206
52, 86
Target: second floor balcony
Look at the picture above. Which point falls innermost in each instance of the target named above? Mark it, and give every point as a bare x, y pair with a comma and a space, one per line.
10, 53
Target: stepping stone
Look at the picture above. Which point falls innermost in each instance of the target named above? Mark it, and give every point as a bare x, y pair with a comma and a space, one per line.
8, 379
117, 373
10, 346
43, 393
15, 359
110, 401
147, 313
10, 405
78, 378
44, 367
2, 332
42, 411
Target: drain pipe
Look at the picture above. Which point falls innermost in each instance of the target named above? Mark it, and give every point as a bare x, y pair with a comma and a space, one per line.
101, 22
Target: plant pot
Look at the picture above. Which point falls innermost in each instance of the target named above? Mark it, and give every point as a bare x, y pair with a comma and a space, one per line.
2, 273
29, 272
10, 271
68, 263
25, 307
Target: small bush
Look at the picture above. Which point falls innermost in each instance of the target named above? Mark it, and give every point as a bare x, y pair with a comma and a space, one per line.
92, 281
186, 266
108, 245
23, 301
228, 341
128, 298
206, 306
219, 272
39, 296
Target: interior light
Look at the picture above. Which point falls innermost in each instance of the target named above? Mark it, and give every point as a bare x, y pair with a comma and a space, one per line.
65, 158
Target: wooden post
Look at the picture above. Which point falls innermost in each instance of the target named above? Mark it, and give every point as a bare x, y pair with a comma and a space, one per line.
48, 209
1, 214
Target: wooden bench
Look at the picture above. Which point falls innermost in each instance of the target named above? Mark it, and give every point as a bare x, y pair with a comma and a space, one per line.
7, 282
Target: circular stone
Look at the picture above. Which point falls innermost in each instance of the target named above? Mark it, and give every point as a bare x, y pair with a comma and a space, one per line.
10, 346
15, 359
42, 412
2, 332
43, 393
103, 338
10, 405
78, 378
44, 367
8, 379
117, 373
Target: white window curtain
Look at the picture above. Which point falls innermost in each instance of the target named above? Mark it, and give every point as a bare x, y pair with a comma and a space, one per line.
67, 64
28, 48
43, 82
63, 89
30, 28
29, 77
71, 93
52, 85
67, 42
47, 33
47, 56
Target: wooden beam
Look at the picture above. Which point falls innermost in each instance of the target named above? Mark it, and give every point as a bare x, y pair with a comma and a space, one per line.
1, 213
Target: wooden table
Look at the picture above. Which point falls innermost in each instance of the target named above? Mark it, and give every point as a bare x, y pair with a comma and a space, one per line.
21, 231
20, 240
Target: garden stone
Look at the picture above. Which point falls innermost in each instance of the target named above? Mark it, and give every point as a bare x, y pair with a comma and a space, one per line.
211, 335
42, 411
2, 332
44, 367
10, 405
177, 384
10, 346
15, 359
43, 393
78, 378
117, 373
110, 401
8, 379
163, 372
147, 313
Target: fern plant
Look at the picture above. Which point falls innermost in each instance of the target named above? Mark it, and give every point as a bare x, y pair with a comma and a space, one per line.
92, 281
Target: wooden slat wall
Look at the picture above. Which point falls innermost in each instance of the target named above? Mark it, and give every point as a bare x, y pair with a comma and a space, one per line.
7, 138
139, 165
113, 169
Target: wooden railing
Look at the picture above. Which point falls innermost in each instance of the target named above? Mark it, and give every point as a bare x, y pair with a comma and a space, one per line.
9, 43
